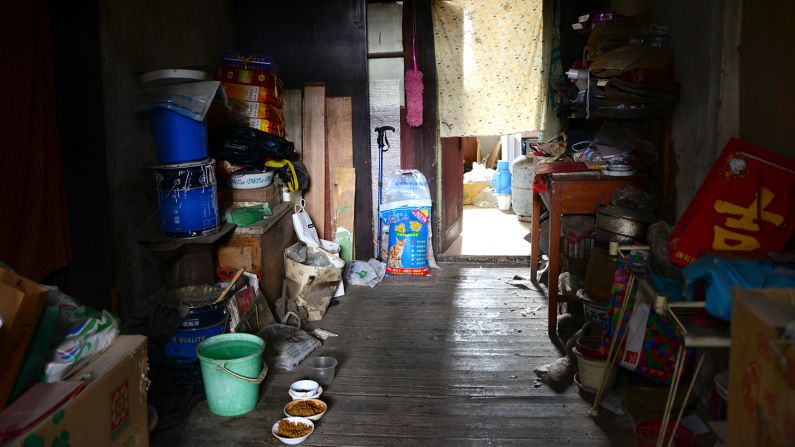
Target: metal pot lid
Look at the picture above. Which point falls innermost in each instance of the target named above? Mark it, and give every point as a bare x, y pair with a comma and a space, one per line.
626, 213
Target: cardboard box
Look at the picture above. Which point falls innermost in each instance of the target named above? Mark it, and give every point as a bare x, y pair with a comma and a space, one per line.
472, 189
110, 411
240, 197
761, 389
21, 301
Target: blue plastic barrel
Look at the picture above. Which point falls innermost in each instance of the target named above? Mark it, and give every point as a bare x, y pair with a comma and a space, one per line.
187, 199
178, 139
502, 179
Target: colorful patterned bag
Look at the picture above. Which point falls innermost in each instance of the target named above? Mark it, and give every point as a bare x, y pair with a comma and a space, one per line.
657, 355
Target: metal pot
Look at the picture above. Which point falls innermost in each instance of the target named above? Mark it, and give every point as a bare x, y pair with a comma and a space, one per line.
603, 238
623, 222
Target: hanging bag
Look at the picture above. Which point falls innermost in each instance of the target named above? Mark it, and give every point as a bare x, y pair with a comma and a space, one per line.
304, 228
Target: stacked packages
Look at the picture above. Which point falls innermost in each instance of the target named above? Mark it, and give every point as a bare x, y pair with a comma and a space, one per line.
253, 90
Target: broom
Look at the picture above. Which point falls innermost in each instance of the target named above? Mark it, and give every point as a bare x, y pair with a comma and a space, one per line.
414, 85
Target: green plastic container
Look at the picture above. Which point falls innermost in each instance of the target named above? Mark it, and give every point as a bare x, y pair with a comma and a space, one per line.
232, 370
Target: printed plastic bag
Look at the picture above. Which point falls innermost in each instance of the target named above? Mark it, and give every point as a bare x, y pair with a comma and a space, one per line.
243, 216
288, 345
304, 228
85, 341
360, 273
407, 213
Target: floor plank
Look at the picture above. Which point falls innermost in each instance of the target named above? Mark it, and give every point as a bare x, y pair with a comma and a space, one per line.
446, 362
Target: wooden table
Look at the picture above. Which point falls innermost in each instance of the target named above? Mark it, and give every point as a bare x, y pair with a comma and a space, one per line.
568, 193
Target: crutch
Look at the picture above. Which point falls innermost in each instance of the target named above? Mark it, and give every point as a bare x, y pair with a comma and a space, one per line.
383, 146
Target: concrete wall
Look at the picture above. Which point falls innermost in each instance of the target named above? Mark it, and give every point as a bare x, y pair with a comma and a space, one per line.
135, 37
697, 43
767, 81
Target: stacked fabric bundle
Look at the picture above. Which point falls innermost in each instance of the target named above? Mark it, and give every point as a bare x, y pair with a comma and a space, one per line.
254, 92
631, 69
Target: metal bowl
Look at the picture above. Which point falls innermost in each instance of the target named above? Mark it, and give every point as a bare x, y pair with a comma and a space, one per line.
623, 221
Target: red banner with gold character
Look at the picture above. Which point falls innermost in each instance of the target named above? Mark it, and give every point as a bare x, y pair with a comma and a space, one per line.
744, 205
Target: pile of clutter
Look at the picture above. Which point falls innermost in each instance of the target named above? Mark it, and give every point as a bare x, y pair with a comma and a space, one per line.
62, 356
237, 120
628, 273
626, 71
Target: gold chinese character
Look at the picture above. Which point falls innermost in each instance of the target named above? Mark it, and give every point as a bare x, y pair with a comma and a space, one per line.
749, 215
725, 239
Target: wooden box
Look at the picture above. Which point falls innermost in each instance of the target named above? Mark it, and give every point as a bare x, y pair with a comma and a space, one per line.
269, 194
258, 248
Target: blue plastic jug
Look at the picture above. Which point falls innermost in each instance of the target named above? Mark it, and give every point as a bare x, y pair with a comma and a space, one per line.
502, 179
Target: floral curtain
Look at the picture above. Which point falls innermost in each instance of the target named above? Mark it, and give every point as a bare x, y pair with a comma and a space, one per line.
490, 66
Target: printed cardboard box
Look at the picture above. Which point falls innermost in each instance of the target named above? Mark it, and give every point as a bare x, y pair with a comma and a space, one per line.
110, 411
21, 301
762, 368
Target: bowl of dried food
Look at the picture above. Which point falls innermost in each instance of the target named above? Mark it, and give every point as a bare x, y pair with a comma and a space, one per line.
293, 430
312, 409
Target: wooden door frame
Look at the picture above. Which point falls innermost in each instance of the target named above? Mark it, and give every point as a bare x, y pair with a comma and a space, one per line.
420, 146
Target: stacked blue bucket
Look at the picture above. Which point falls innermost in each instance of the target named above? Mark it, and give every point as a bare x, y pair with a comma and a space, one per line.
502, 179
187, 196
502, 185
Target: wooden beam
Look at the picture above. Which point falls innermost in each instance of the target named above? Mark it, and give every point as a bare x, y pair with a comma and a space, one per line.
343, 195
314, 151
424, 137
293, 118
339, 152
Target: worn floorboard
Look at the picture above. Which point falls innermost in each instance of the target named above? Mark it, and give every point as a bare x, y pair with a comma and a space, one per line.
446, 362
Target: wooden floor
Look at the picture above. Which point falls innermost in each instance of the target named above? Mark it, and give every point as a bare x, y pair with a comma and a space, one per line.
442, 361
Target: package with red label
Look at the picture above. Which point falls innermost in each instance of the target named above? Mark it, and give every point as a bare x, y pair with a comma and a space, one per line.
249, 61
251, 109
252, 93
239, 75
744, 205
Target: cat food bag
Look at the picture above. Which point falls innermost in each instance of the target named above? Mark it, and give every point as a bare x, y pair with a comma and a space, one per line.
407, 250
406, 211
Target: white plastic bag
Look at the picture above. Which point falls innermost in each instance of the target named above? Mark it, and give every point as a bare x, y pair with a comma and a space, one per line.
360, 273
288, 345
486, 198
304, 228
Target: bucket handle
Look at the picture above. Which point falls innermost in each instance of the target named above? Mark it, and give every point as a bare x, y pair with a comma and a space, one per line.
256, 381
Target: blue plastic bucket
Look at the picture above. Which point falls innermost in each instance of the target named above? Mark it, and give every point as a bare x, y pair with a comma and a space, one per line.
187, 199
182, 346
177, 138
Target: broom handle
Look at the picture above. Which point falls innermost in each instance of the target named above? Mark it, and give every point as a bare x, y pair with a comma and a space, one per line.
414, 35
414, 49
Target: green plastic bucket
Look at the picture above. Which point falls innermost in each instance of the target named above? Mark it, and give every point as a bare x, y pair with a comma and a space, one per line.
232, 369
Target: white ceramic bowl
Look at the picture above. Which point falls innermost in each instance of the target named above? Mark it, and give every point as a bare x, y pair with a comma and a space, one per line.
251, 180
311, 418
305, 389
293, 441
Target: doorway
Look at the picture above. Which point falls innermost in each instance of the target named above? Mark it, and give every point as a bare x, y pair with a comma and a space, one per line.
477, 222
